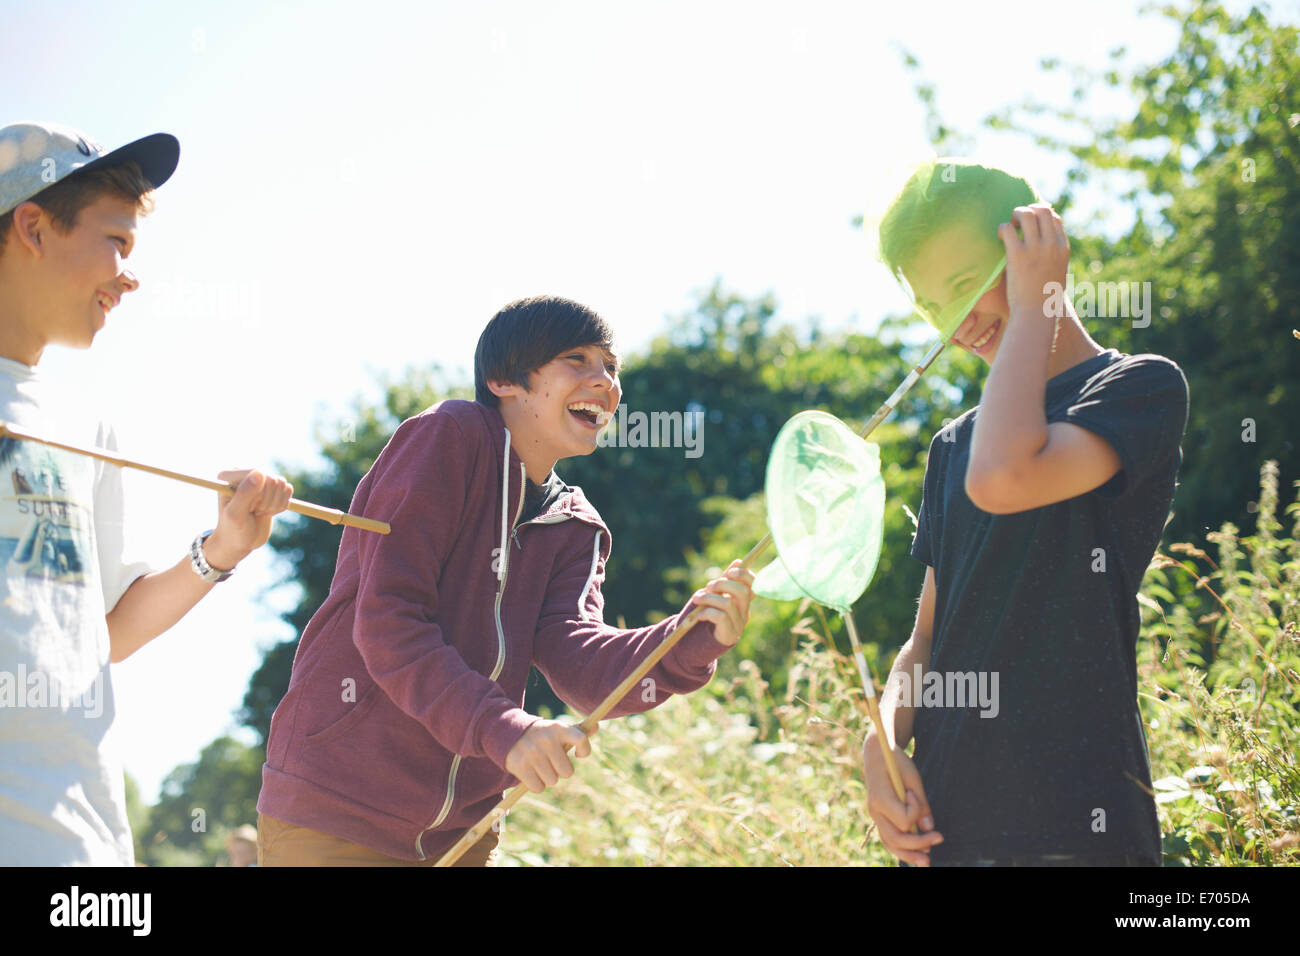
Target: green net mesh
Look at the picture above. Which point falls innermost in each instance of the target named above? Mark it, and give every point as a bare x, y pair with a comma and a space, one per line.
938, 235
825, 509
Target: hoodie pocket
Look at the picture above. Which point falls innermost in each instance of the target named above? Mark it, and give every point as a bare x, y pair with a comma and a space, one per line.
354, 715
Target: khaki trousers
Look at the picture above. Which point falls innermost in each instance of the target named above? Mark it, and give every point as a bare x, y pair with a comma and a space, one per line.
284, 844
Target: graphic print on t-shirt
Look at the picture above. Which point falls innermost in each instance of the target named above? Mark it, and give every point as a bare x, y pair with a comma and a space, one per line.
44, 530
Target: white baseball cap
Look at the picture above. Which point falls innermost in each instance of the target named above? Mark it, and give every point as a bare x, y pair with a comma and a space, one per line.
35, 156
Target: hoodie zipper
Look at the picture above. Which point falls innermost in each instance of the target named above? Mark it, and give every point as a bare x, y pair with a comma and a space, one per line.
501, 634
548, 519
505, 570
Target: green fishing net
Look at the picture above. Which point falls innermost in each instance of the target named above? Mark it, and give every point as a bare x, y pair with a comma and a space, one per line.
825, 509
938, 235
825, 496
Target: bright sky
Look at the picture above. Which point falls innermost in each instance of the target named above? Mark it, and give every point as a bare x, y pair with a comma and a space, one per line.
362, 186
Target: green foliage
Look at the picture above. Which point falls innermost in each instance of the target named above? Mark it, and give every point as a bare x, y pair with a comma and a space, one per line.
200, 804
946, 140
1221, 693
137, 813
1209, 166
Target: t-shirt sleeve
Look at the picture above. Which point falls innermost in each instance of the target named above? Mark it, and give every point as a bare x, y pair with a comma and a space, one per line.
1139, 405
117, 569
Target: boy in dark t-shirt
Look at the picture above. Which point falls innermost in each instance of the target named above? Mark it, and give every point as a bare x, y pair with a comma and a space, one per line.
1041, 510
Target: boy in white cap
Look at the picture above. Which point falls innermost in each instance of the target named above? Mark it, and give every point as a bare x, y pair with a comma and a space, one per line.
69, 602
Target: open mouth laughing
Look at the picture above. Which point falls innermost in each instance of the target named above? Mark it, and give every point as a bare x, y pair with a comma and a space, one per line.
983, 341
591, 414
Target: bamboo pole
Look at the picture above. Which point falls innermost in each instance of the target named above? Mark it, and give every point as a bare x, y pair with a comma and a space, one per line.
886, 745
332, 515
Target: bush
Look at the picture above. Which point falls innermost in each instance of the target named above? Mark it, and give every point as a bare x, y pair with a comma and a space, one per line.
1221, 692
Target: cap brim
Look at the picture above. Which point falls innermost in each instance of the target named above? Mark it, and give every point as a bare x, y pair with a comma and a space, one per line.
157, 156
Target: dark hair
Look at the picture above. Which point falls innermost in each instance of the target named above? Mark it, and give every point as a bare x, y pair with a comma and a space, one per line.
65, 199
527, 334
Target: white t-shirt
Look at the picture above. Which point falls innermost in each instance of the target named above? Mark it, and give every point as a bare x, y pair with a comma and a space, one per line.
62, 798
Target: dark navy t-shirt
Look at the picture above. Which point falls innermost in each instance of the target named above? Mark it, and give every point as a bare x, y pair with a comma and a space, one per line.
1046, 600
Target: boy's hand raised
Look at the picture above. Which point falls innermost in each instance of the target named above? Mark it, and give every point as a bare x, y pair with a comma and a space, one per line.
726, 603
244, 519
1038, 255
894, 820
539, 758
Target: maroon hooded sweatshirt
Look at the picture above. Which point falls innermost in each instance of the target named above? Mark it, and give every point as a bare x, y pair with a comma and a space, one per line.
407, 684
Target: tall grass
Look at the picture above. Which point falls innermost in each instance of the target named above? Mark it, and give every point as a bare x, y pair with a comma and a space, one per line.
1221, 692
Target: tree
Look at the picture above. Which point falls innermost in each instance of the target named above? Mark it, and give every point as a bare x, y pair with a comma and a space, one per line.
200, 804
1210, 158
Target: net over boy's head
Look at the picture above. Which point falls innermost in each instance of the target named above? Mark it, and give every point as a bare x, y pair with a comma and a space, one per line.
527, 334
939, 235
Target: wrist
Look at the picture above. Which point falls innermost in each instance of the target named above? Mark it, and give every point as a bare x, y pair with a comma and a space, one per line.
220, 554
1031, 313
876, 743
868, 742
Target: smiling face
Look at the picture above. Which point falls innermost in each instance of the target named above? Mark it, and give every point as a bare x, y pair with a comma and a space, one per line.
82, 271
947, 271
568, 401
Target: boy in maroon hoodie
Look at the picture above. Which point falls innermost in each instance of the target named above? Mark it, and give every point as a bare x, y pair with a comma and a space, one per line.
402, 724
